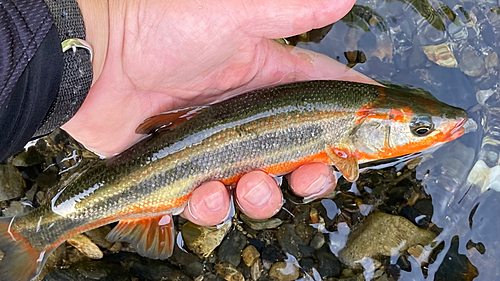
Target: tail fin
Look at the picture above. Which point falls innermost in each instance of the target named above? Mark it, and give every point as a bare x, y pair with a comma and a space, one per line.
18, 260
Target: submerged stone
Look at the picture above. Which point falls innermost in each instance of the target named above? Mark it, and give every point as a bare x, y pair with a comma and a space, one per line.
382, 235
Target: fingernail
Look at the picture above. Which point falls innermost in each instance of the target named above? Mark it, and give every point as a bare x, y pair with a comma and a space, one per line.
259, 194
215, 201
317, 185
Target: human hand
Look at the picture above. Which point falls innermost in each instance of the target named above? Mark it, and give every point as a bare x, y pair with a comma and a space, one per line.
156, 56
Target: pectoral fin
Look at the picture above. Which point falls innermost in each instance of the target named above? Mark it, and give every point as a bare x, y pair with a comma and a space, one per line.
151, 237
167, 120
344, 159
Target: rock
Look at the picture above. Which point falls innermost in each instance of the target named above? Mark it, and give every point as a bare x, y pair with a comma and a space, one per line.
12, 184
256, 270
283, 271
382, 235
471, 63
456, 266
261, 224
317, 241
440, 54
328, 264
289, 240
86, 246
203, 240
146, 269
16, 208
250, 255
98, 236
27, 158
89, 270
228, 272
231, 247
272, 254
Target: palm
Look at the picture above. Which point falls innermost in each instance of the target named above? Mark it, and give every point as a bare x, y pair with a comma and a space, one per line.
180, 55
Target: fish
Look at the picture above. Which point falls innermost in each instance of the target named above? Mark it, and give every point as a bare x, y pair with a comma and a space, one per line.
273, 129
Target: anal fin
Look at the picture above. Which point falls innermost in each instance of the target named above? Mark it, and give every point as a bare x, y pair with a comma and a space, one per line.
345, 160
152, 237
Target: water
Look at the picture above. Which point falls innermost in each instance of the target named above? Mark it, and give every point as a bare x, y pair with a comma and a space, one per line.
450, 49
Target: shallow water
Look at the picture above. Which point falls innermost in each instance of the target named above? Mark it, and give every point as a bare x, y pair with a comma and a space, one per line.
388, 41
447, 48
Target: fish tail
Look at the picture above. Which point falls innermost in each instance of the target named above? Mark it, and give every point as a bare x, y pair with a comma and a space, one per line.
18, 260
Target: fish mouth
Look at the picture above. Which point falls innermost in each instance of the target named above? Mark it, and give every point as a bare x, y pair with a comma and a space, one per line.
458, 130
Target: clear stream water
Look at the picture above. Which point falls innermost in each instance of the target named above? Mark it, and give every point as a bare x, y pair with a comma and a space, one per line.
450, 49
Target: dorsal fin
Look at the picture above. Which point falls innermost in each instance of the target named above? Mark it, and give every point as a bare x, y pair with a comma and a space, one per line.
167, 120
152, 237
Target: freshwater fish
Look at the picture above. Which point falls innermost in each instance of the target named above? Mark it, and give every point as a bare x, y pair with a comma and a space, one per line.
275, 129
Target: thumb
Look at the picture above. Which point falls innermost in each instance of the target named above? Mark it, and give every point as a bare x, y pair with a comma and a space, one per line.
284, 18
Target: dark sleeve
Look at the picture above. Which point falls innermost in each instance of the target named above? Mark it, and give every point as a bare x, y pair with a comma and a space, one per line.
30, 71
40, 86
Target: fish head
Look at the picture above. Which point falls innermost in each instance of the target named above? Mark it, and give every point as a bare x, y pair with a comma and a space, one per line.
400, 123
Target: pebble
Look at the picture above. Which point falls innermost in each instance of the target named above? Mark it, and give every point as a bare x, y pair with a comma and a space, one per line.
256, 270
470, 63
261, 224
27, 158
86, 246
250, 255
229, 272
203, 240
12, 184
440, 54
289, 240
282, 271
328, 264
98, 236
16, 208
231, 247
380, 235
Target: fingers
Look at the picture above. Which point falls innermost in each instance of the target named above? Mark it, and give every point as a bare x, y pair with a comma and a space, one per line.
258, 195
209, 204
314, 180
284, 18
285, 64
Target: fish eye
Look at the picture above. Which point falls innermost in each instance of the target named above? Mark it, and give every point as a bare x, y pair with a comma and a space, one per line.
421, 126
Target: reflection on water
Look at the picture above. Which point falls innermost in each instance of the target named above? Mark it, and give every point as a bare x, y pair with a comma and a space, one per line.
449, 48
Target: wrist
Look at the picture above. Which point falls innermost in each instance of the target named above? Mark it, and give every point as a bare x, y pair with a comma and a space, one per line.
96, 19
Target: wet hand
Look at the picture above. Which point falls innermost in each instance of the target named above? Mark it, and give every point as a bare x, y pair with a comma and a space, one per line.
156, 56
257, 194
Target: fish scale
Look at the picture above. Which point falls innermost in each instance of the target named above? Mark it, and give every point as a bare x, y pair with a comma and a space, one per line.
273, 129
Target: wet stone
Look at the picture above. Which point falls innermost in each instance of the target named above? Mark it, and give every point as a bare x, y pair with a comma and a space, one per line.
250, 255
318, 241
229, 272
261, 224
12, 184
28, 158
146, 269
86, 246
189, 263
16, 208
456, 266
420, 213
256, 270
307, 264
231, 247
203, 240
379, 235
289, 240
98, 236
89, 270
282, 271
328, 264
471, 63
272, 253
